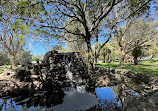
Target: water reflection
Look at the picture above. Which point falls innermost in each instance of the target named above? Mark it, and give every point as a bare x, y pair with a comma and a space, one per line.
9, 105
116, 98
107, 98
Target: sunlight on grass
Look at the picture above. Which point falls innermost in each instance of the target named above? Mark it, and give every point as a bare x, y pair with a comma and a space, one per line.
146, 69
2, 68
1, 71
150, 61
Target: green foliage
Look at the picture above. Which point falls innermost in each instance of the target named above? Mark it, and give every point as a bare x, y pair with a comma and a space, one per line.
1, 71
111, 49
23, 57
35, 59
136, 52
146, 69
136, 3
57, 48
27, 8
4, 59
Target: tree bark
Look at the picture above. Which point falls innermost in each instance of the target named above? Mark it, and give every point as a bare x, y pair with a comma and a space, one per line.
122, 62
108, 59
90, 58
96, 47
95, 54
13, 60
151, 57
104, 58
135, 60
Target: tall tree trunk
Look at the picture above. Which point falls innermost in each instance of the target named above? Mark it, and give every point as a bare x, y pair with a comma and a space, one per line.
108, 59
122, 62
135, 60
104, 58
96, 46
90, 58
13, 60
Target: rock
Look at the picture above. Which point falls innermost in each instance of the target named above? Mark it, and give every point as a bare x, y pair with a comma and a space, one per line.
35, 76
33, 72
37, 84
52, 75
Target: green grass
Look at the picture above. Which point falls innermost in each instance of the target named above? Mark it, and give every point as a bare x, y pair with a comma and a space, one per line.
7, 66
149, 61
1, 71
146, 69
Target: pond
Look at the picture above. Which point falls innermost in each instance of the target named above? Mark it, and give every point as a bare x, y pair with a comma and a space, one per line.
112, 98
61, 83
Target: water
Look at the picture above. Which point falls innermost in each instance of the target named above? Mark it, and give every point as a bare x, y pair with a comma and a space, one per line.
76, 98
76, 101
8, 105
106, 98
113, 98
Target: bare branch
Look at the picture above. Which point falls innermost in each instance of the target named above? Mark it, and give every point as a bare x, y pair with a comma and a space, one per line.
95, 24
134, 12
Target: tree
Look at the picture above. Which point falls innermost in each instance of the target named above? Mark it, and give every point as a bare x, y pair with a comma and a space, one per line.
106, 52
136, 52
152, 50
57, 47
136, 33
11, 39
3, 58
23, 57
75, 42
61, 11
12, 30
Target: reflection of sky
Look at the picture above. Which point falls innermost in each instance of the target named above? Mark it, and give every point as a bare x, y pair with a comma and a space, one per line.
105, 93
9, 106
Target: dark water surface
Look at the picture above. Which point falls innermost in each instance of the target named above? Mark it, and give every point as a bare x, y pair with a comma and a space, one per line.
108, 99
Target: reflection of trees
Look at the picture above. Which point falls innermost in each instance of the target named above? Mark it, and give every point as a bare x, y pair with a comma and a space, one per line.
6, 104
126, 93
108, 105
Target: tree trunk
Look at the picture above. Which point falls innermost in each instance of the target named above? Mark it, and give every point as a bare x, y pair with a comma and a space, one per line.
108, 59
103, 58
122, 62
96, 47
135, 60
13, 61
127, 60
151, 57
90, 58
95, 59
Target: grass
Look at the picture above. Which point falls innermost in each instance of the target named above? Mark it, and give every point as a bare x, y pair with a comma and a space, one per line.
146, 69
7, 66
149, 61
1, 71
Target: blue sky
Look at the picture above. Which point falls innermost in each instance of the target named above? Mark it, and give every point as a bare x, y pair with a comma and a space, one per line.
38, 47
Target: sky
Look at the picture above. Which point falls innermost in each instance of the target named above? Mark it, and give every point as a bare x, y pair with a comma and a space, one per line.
37, 47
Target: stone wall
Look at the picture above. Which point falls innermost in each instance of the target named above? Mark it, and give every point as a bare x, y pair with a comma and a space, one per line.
51, 75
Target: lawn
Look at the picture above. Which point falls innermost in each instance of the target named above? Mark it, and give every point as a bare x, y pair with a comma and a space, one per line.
146, 69
1, 70
149, 61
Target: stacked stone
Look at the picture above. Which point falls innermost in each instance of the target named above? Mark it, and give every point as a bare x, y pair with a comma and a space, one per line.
49, 76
